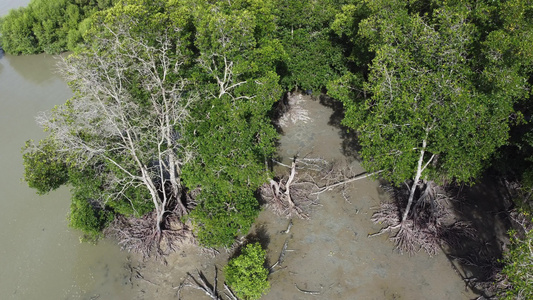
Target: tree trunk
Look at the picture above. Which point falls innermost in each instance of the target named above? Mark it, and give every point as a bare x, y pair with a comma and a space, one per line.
176, 185
418, 174
159, 207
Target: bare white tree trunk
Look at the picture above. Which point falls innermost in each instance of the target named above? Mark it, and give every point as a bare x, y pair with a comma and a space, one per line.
415, 182
418, 174
105, 120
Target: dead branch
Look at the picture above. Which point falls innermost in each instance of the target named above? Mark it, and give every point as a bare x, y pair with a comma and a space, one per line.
289, 226
229, 293
281, 255
307, 292
201, 283
344, 182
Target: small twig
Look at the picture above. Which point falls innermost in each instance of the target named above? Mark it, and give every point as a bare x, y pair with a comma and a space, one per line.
140, 276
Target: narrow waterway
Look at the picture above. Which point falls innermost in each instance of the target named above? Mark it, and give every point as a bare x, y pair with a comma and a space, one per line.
40, 257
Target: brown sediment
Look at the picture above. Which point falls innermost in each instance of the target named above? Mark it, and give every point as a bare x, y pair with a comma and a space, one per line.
329, 254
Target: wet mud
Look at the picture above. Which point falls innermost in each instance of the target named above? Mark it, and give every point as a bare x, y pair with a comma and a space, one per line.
329, 256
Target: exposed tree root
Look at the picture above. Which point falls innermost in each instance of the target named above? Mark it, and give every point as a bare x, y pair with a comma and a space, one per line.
291, 196
139, 234
279, 195
430, 224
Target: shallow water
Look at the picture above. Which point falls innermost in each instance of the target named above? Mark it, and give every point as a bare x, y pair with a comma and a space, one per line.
40, 257
332, 253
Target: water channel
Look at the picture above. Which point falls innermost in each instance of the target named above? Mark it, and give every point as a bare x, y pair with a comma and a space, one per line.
41, 258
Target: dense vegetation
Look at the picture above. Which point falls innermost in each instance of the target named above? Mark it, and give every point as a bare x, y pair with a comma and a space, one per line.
172, 99
170, 122
444, 83
48, 26
246, 274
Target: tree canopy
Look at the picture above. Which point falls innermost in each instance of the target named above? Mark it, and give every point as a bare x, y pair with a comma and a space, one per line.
426, 109
48, 26
169, 99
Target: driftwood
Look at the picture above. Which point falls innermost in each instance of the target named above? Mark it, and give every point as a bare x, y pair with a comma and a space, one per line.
291, 196
281, 255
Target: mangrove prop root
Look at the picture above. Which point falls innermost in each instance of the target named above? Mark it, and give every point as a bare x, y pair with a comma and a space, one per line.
429, 225
140, 235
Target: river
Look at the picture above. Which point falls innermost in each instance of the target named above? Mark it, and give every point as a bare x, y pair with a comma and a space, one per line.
40, 256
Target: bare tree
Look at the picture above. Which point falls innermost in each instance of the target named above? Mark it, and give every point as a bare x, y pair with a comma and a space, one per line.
129, 110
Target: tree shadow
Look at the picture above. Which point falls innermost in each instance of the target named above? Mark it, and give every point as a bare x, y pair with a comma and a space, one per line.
476, 259
278, 109
258, 235
350, 144
474, 251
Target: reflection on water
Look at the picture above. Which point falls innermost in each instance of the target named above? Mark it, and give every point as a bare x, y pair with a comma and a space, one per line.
29, 68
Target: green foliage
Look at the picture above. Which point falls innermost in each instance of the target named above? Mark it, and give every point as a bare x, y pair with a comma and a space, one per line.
17, 32
422, 87
52, 26
226, 54
314, 54
223, 214
246, 274
87, 212
231, 131
44, 170
518, 269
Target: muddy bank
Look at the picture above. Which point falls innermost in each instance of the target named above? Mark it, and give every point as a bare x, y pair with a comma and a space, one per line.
330, 253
